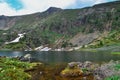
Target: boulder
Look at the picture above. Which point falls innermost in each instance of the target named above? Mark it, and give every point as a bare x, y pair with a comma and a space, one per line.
87, 64
71, 72
27, 58
74, 64
75, 69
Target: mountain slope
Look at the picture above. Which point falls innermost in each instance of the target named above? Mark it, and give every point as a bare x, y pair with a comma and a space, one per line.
57, 28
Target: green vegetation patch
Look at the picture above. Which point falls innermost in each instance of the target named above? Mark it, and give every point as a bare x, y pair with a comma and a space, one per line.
115, 52
112, 39
13, 69
117, 67
113, 78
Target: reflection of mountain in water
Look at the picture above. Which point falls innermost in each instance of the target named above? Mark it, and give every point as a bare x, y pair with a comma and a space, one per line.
63, 57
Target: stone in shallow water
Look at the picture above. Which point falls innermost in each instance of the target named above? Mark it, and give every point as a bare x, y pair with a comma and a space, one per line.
27, 58
77, 69
71, 72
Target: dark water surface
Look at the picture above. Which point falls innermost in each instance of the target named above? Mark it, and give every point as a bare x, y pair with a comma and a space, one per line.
64, 57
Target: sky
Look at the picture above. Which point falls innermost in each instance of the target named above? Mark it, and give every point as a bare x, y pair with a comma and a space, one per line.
23, 7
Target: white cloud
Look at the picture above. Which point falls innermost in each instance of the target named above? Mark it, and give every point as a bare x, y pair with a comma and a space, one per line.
93, 1
99, 1
38, 5
32, 6
5, 9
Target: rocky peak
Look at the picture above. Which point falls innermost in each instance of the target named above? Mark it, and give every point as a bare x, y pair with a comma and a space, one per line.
3, 17
53, 9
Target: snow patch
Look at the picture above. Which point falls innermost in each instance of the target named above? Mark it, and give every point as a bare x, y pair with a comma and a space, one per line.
42, 48
61, 49
46, 49
17, 39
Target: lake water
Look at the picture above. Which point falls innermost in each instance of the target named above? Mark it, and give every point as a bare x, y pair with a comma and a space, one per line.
65, 57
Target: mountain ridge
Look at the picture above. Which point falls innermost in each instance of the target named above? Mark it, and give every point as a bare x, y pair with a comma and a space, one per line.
61, 26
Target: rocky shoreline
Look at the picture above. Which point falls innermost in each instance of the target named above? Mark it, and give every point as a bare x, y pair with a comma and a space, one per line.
100, 72
72, 71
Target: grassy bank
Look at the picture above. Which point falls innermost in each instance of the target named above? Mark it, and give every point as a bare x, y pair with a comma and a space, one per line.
13, 69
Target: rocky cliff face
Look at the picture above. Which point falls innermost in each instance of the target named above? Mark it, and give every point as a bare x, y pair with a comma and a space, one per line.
6, 22
55, 24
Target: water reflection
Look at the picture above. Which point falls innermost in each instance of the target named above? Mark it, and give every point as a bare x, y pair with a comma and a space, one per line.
60, 57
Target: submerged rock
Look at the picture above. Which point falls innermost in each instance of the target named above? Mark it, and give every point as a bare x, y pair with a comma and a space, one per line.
71, 72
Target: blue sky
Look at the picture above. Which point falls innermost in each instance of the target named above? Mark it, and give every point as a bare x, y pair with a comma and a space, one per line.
16, 4
22, 7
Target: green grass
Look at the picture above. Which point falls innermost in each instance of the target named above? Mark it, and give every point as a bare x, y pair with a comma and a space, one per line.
112, 39
113, 78
115, 52
117, 67
14, 46
88, 49
13, 69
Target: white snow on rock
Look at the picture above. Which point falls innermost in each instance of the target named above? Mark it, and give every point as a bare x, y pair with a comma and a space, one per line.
61, 49
42, 48
46, 49
39, 48
17, 39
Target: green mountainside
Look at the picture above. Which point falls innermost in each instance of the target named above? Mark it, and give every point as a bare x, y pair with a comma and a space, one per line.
95, 26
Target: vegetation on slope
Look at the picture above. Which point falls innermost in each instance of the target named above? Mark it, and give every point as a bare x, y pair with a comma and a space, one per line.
113, 38
53, 24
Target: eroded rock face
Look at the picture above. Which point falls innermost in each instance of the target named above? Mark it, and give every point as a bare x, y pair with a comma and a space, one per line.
83, 39
7, 22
